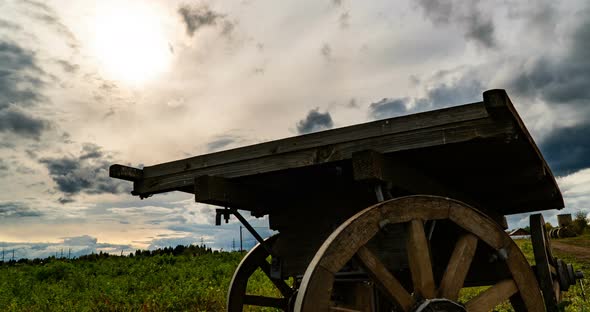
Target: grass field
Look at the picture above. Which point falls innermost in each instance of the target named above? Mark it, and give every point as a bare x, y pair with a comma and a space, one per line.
175, 283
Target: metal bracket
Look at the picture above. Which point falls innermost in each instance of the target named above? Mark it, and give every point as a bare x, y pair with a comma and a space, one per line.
227, 211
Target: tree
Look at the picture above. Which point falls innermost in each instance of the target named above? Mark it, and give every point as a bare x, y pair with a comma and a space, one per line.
548, 226
580, 223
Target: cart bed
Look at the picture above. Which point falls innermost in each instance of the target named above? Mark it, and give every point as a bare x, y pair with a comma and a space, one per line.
480, 153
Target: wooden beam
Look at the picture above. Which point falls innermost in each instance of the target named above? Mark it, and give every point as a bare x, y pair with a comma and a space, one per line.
368, 166
335, 136
125, 173
227, 193
157, 181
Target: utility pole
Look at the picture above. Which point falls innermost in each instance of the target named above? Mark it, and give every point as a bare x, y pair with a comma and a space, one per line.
69, 252
241, 241
12, 254
233, 244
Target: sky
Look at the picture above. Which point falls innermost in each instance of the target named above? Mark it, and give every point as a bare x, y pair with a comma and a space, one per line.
86, 84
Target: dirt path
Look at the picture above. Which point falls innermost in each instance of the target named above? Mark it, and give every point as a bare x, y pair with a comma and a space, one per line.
577, 251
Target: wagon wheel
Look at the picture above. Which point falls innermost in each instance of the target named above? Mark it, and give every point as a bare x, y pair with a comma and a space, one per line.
256, 258
545, 265
351, 238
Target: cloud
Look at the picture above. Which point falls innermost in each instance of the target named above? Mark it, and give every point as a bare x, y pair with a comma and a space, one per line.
562, 80
73, 247
221, 142
315, 121
466, 15
326, 51
49, 16
20, 123
9, 25
387, 108
197, 17
444, 93
344, 20
87, 173
567, 149
459, 91
17, 210
19, 72
67, 66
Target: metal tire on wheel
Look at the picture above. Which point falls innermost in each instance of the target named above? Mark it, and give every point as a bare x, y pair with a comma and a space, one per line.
545, 265
351, 240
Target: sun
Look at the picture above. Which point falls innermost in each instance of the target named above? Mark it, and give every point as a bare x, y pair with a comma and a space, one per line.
130, 43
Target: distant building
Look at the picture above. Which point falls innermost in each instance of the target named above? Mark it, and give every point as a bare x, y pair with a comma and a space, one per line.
519, 233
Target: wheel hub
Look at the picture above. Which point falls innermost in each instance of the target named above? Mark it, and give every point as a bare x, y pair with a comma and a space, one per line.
439, 305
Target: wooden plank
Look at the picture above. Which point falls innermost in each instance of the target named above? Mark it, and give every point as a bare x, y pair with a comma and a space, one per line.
261, 301
334, 136
125, 173
419, 260
447, 134
227, 193
498, 103
458, 266
385, 279
492, 297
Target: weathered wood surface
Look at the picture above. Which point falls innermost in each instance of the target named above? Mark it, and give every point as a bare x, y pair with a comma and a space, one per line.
475, 152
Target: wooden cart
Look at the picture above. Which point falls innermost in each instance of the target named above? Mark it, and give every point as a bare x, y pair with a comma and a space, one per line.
392, 215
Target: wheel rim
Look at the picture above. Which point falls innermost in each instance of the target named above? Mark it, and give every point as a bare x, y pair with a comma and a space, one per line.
544, 263
351, 238
237, 297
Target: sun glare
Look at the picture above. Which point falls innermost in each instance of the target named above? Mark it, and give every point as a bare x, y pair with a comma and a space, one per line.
130, 43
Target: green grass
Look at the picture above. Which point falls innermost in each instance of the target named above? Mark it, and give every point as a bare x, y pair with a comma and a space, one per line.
170, 283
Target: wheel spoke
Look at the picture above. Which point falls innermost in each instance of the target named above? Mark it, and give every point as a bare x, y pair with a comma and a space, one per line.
458, 266
262, 301
492, 297
419, 260
285, 290
384, 278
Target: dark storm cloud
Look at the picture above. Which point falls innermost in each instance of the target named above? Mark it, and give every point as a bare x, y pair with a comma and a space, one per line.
20, 87
462, 91
197, 17
18, 75
387, 108
560, 80
315, 121
17, 210
21, 123
87, 173
444, 94
567, 150
477, 27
